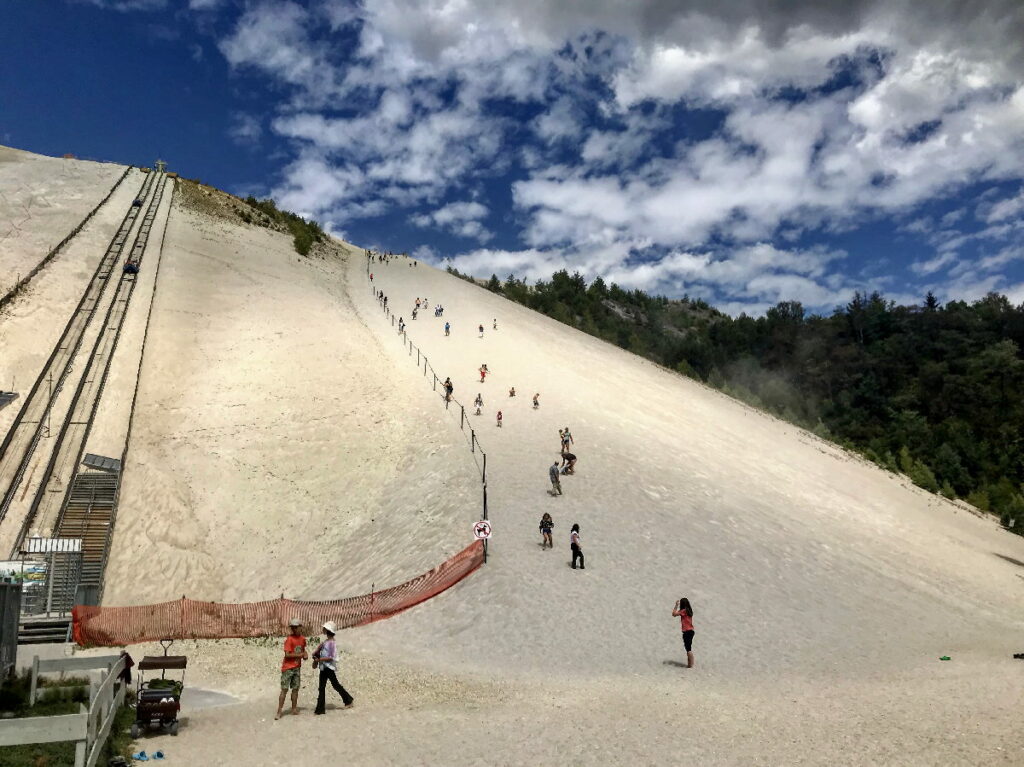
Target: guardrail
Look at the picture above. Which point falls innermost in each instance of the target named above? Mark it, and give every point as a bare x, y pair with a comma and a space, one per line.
90, 727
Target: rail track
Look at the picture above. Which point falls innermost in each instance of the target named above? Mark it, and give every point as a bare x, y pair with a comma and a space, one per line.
22, 440
55, 488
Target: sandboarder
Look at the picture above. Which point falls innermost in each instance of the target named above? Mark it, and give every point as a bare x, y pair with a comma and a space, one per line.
684, 612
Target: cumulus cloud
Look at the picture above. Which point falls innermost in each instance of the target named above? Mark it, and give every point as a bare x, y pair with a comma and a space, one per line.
671, 145
460, 218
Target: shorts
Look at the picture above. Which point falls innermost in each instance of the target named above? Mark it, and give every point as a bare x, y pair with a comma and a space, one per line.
688, 640
290, 679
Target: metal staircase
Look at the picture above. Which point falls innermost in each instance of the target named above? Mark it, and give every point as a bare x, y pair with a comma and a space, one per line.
88, 515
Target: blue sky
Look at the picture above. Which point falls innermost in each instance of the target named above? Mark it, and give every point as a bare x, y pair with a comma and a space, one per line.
718, 151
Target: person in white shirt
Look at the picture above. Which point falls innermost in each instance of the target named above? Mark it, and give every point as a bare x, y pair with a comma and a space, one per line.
326, 656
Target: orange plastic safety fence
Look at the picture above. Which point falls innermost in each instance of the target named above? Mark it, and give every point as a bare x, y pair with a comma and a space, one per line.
189, 619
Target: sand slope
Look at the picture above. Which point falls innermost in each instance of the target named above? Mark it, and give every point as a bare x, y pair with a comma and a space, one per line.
273, 448
789, 548
41, 200
285, 441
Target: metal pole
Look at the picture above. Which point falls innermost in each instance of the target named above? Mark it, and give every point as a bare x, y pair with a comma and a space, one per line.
462, 418
472, 441
485, 473
417, 356
485, 517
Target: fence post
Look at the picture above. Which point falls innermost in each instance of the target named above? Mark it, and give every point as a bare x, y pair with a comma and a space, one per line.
435, 383
472, 441
417, 356
485, 514
485, 473
462, 418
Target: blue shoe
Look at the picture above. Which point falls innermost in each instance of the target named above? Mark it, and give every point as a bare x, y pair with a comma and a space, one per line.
158, 755
140, 757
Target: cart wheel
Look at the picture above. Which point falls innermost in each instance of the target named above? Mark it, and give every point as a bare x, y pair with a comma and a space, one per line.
135, 731
174, 728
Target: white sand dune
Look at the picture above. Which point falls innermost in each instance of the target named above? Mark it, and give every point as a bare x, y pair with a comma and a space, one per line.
41, 200
285, 441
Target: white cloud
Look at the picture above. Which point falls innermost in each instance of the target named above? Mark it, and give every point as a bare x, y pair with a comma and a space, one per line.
899, 104
1011, 207
246, 128
461, 218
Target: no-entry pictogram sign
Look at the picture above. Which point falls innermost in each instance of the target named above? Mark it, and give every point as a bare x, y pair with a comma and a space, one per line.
482, 530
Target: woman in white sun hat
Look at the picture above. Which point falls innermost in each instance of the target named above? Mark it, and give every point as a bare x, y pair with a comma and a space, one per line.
326, 656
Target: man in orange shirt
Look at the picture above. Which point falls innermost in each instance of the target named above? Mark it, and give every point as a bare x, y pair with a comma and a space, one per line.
294, 654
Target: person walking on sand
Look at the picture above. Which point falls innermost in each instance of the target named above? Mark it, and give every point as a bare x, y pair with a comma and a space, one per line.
448, 389
568, 438
483, 373
447, 329
481, 331
574, 544
495, 323
294, 654
546, 525
499, 419
479, 402
536, 400
556, 483
684, 612
326, 655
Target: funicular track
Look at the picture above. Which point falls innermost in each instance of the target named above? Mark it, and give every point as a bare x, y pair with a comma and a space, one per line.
58, 481
23, 437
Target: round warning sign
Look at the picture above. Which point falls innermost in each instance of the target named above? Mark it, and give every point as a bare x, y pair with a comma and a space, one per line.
482, 530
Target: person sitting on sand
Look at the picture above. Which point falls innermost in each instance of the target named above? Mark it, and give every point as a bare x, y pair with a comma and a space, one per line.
479, 402
294, 654
512, 392
568, 463
546, 525
684, 612
499, 419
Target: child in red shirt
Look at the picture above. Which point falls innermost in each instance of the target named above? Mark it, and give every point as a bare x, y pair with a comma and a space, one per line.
294, 654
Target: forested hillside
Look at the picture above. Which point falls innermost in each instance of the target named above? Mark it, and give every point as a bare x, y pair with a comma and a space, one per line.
933, 391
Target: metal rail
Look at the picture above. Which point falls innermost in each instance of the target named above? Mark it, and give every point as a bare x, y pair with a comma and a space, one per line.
50, 501
23, 437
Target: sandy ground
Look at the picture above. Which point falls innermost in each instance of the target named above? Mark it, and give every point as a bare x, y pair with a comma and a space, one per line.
273, 446
41, 200
284, 441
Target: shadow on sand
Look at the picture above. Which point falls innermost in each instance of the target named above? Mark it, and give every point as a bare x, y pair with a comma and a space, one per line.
676, 663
